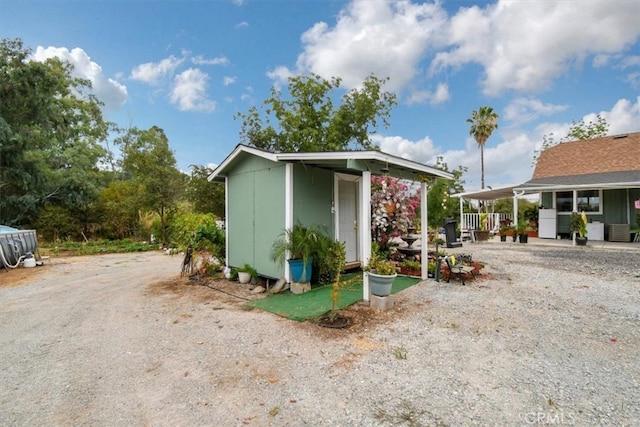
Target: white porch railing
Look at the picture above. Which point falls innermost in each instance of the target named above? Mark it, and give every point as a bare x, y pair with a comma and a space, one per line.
471, 221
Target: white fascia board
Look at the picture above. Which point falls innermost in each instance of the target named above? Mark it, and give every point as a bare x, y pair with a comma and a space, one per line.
235, 153
486, 192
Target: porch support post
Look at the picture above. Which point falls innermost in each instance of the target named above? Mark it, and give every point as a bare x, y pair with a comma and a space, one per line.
226, 219
365, 229
288, 211
463, 226
424, 250
515, 210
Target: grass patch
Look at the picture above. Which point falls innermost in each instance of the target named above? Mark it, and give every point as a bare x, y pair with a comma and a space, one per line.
317, 302
96, 247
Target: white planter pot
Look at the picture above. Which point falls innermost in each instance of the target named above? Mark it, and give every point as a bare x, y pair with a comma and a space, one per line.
380, 284
244, 277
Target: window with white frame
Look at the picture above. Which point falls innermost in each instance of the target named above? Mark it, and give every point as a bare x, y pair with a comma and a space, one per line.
585, 200
588, 200
564, 201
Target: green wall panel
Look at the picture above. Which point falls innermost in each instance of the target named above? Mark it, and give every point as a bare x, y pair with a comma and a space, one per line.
269, 207
256, 213
313, 196
240, 224
617, 207
614, 206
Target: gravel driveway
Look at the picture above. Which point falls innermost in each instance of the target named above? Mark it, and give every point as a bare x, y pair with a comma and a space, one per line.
546, 336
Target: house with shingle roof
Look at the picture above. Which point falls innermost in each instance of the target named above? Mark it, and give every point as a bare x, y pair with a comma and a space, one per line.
599, 176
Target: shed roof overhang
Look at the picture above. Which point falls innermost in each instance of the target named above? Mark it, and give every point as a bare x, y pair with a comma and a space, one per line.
349, 162
488, 193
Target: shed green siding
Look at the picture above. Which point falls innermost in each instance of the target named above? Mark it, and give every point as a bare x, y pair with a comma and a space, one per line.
256, 208
313, 197
256, 205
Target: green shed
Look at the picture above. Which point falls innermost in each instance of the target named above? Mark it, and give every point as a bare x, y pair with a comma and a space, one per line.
267, 193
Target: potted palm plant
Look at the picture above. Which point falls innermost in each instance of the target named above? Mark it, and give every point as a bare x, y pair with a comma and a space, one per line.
483, 233
503, 232
300, 243
578, 225
522, 231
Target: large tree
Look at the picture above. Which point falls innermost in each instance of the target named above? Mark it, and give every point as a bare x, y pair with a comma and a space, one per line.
206, 196
51, 130
309, 121
439, 203
483, 122
149, 163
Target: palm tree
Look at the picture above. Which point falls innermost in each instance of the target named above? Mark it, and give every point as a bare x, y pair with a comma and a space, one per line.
483, 123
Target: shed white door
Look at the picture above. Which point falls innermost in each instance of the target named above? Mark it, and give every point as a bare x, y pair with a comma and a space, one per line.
348, 217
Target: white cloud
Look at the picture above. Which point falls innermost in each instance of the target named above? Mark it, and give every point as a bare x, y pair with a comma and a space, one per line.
190, 91
631, 61
523, 46
153, 72
633, 79
112, 93
524, 110
201, 60
624, 117
422, 151
384, 38
248, 94
439, 96
280, 75
229, 80
243, 24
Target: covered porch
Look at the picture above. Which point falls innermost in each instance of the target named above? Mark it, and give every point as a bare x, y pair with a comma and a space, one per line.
471, 221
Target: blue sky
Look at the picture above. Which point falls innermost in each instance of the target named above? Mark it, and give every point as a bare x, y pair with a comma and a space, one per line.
190, 66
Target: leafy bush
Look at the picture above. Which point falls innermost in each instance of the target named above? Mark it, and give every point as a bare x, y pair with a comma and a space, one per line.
329, 259
200, 231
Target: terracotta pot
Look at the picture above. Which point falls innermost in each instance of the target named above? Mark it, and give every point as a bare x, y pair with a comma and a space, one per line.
482, 235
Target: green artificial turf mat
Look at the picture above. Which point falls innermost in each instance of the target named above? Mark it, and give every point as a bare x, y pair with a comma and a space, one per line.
317, 301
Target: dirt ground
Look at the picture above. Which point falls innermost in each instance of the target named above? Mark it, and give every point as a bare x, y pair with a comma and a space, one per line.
124, 340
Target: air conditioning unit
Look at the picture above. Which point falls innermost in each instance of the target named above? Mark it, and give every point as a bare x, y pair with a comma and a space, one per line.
619, 233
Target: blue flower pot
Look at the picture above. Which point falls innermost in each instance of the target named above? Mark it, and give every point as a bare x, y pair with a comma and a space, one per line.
300, 272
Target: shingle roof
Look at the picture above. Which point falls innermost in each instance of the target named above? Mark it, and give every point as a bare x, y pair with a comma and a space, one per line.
619, 153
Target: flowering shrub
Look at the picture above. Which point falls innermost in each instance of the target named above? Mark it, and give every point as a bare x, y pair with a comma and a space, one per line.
393, 208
